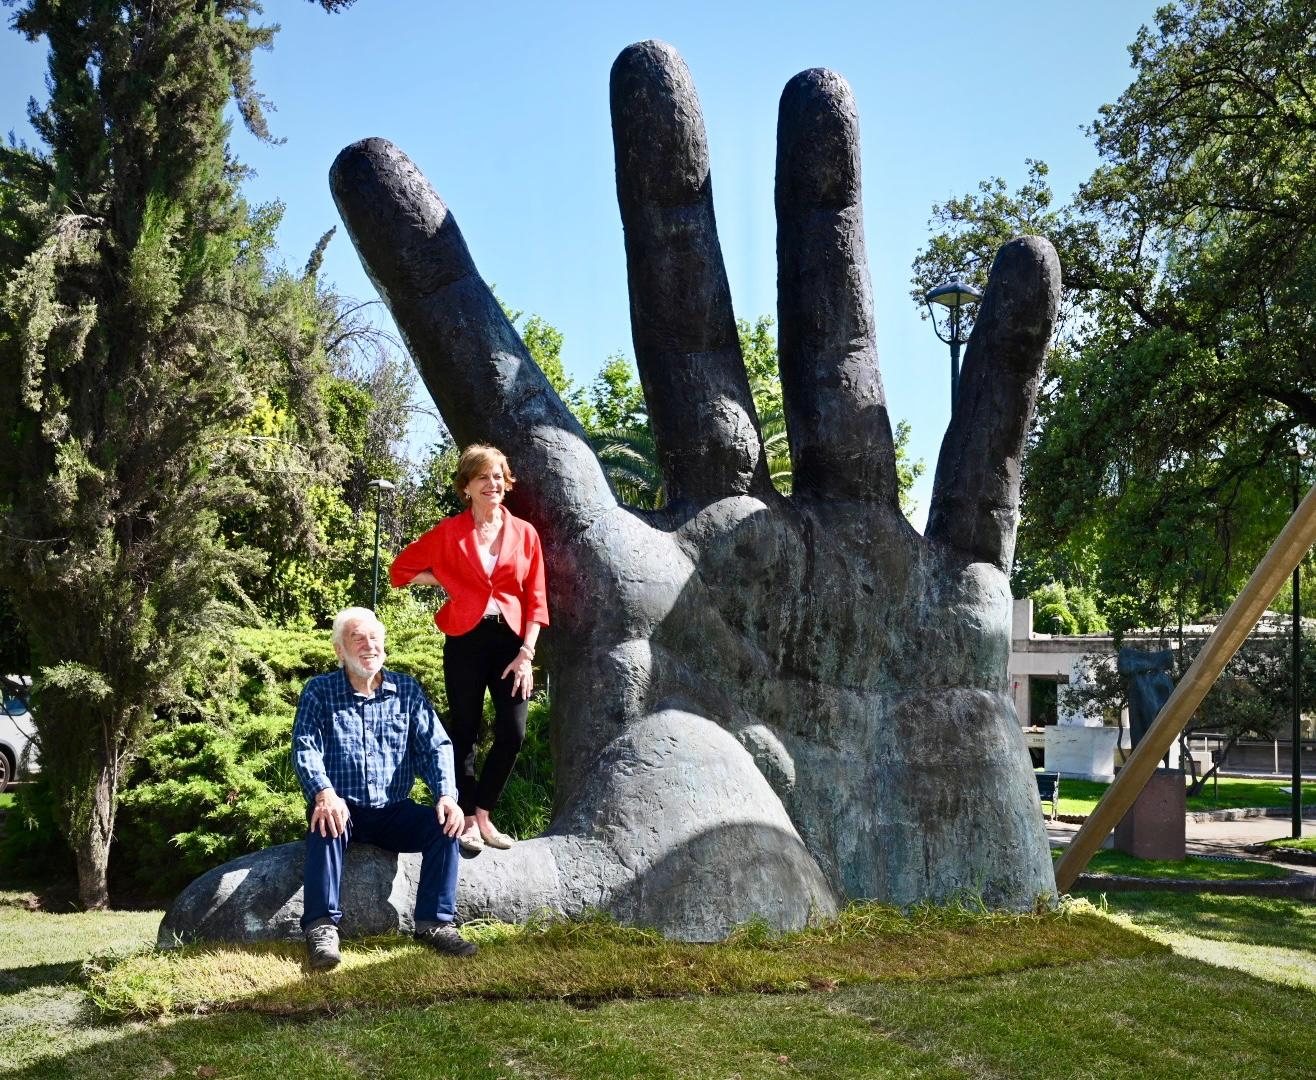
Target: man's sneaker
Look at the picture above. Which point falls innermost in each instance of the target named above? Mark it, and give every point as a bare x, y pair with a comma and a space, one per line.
443, 938
322, 944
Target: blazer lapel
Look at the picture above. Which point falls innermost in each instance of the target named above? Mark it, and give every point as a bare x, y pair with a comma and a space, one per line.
466, 542
511, 540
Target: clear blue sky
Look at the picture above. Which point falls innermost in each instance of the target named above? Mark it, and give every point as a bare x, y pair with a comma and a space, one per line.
505, 108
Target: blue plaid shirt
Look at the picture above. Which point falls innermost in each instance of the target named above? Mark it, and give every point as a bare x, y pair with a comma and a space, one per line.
369, 749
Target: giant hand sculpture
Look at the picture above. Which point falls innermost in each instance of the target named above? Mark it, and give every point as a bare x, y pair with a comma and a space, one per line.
763, 705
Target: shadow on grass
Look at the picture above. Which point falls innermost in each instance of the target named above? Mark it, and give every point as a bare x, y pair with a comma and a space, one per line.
16, 980
1276, 923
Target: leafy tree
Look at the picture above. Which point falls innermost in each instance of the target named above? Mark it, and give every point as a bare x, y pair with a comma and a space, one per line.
630, 461
1058, 609
616, 420
315, 546
758, 346
427, 495
616, 399
907, 470
1183, 375
142, 332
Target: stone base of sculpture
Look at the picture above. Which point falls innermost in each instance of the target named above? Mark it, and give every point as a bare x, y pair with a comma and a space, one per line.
1155, 826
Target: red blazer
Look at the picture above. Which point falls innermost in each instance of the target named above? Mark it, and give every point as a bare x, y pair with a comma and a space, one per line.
449, 552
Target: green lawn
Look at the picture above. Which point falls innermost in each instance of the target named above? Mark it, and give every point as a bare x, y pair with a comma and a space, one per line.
962, 998
1272, 939
1079, 797
1307, 843
1190, 869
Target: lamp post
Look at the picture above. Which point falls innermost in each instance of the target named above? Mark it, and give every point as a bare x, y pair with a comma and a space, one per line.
953, 295
1299, 448
380, 487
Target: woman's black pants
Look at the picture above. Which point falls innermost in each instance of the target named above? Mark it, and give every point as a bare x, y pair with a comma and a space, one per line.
472, 664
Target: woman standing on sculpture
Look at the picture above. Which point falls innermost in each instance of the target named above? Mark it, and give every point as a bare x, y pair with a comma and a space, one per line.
491, 565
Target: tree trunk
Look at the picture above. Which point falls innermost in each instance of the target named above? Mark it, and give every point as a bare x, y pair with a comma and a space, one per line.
90, 832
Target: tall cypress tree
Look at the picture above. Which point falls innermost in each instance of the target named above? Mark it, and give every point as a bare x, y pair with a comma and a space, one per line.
135, 333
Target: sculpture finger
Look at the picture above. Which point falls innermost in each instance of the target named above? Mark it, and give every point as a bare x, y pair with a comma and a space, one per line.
836, 416
470, 357
975, 497
682, 323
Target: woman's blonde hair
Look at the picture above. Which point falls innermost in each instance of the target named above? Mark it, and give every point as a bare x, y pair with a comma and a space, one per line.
474, 460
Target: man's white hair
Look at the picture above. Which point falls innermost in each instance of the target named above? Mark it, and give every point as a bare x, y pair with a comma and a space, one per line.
348, 618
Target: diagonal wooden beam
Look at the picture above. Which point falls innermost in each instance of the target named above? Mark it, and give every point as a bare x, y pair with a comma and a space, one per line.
1264, 585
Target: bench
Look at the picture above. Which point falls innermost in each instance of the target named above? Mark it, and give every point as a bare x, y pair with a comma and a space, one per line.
1048, 790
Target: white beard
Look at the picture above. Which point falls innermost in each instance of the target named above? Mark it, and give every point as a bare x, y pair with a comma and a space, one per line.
360, 671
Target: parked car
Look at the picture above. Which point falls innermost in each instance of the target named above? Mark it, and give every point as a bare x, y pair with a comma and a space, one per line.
18, 747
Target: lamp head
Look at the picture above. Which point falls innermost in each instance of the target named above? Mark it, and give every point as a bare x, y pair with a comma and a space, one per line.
954, 295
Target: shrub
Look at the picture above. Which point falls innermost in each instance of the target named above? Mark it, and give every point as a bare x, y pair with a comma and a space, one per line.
33, 848
216, 781
203, 794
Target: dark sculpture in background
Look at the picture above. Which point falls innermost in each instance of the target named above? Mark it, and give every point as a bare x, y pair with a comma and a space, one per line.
763, 705
1154, 826
1147, 686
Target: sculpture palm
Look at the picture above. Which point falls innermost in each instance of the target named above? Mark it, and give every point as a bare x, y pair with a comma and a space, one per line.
763, 704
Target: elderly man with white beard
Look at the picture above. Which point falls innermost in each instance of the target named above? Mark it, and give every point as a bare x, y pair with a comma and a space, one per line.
362, 736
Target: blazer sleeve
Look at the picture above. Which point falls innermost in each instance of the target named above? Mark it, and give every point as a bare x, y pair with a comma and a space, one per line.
412, 559
536, 591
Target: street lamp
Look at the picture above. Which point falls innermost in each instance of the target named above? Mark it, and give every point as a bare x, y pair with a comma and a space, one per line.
380, 487
1299, 448
953, 295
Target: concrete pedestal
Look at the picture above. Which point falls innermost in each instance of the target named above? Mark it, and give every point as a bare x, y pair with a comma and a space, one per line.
1153, 828
1082, 753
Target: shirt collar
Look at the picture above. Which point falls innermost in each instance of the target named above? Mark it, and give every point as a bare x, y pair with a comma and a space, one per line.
389, 684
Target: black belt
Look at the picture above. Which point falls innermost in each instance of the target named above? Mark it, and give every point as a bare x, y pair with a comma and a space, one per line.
496, 617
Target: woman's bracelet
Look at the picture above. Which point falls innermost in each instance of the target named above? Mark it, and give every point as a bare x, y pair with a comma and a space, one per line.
529, 652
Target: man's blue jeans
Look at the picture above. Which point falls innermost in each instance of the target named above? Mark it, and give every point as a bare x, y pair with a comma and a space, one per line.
404, 826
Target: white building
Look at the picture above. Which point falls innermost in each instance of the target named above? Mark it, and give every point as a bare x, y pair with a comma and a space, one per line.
1086, 747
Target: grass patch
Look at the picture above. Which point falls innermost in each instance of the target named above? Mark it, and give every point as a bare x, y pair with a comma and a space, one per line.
1154, 1015
597, 961
1152, 1019
1192, 868
1305, 843
6, 800
1239, 792
43, 1006
1080, 797
1274, 939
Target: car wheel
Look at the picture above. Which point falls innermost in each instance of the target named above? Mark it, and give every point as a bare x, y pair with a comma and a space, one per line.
6, 770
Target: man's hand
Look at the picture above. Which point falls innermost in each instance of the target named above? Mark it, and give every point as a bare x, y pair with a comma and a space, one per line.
329, 815
450, 816
762, 704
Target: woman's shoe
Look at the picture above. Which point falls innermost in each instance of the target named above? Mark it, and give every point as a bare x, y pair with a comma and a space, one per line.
470, 842
495, 839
